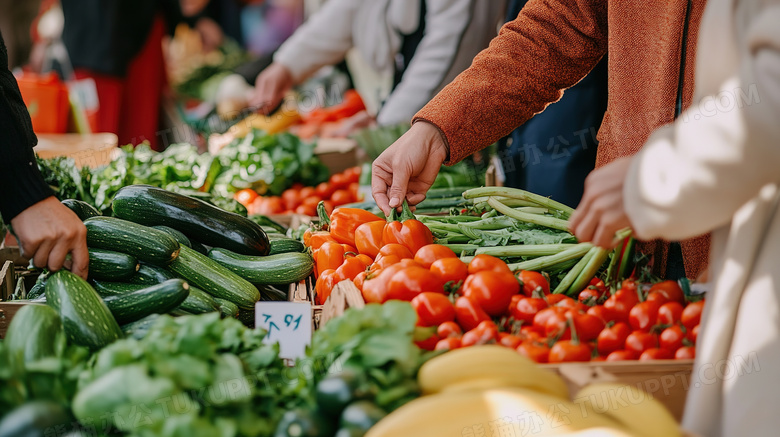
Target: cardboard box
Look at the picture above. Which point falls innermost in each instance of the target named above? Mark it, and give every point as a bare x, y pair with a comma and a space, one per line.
338, 154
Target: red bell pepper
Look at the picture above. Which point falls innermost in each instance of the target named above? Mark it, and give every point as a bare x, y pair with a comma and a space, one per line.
407, 231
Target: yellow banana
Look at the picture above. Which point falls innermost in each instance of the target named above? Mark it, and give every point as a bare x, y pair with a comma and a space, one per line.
489, 366
642, 415
509, 411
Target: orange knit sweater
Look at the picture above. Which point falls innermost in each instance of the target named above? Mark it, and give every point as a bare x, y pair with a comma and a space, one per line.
551, 46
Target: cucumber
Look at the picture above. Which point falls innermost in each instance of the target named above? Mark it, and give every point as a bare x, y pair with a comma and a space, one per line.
85, 318
150, 275
109, 288
139, 328
199, 302
108, 265
146, 244
286, 245
214, 279
35, 418
138, 304
82, 209
213, 226
178, 236
31, 334
284, 268
227, 308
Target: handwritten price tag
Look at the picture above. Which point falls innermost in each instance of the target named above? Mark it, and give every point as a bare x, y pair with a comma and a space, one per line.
287, 323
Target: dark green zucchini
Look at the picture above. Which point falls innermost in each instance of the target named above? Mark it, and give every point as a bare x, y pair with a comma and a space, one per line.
198, 247
32, 333
213, 226
140, 327
199, 302
110, 288
178, 236
227, 308
214, 279
36, 290
146, 244
85, 318
150, 275
284, 268
273, 294
108, 265
82, 209
286, 245
160, 299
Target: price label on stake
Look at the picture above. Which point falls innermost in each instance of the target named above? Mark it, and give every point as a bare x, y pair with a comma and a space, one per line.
287, 323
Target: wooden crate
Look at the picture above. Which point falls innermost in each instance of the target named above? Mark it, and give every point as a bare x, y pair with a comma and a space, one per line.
665, 380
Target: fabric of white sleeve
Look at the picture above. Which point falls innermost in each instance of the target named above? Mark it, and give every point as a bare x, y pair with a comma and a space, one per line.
322, 40
445, 23
691, 176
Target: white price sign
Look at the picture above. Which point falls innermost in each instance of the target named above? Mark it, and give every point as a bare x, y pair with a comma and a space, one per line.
287, 323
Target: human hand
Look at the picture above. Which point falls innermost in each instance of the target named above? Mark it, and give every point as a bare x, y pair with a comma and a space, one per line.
270, 86
349, 125
48, 231
601, 211
408, 168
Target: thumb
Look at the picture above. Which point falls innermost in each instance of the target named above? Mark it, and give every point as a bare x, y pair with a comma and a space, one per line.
397, 191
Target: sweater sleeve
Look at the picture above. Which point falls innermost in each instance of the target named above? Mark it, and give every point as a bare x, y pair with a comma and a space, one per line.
21, 183
446, 23
693, 175
549, 47
322, 40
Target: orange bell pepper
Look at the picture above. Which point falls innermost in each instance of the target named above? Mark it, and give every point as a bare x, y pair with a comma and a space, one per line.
345, 221
368, 238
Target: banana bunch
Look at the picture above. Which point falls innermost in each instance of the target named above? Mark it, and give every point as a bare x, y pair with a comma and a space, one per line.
493, 391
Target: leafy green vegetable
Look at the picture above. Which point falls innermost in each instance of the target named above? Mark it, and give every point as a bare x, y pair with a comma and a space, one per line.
65, 179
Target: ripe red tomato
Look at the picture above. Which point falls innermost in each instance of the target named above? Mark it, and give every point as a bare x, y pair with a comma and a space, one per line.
509, 340
341, 197
656, 354
487, 263
311, 201
618, 306
352, 174
589, 295
433, 309
685, 353
656, 297
586, 326
621, 355
554, 299
639, 341
339, 181
245, 196
537, 352
429, 343
411, 281
430, 253
557, 326
691, 315
526, 308
485, 333
670, 289
532, 333
540, 319
671, 338
643, 316
570, 303
449, 329
395, 249
567, 351
308, 210
492, 290
598, 284
448, 344
291, 198
451, 270
693, 334
670, 313
468, 313
613, 338
324, 190
600, 312
307, 192
533, 281
375, 287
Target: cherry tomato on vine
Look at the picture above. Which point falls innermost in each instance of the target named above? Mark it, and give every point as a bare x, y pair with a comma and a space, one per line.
639, 341
568, 351
643, 316
589, 295
670, 289
618, 306
526, 308
671, 338
600, 312
540, 319
613, 338
670, 313
533, 281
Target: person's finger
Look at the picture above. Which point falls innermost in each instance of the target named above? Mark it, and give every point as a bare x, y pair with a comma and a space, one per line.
58, 253
80, 258
415, 198
379, 182
29, 247
397, 191
41, 256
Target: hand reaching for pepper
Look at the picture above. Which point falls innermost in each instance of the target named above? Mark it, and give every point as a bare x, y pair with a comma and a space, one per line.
408, 168
601, 211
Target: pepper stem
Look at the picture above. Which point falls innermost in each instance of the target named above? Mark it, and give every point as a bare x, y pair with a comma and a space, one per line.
322, 214
406, 213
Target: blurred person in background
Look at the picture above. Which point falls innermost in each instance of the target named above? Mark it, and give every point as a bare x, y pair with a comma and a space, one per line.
118, 44
418, 45
46, 229
15, 19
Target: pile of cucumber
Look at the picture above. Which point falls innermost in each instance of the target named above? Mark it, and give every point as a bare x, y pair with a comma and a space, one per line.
163, 252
